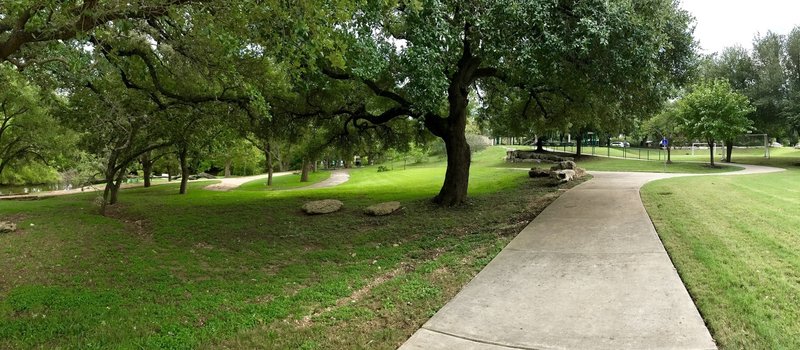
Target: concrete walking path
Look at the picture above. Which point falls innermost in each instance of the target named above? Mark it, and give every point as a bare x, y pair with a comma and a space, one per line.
229, 183
589, 272
337, 178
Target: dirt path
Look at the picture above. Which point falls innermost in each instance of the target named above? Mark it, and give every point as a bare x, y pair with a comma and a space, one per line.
38, 195
338, 177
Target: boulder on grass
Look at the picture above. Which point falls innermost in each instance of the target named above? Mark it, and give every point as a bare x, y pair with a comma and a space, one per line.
522, 156
7, 227
564, 166
325, 206
202, 176
382, 209
536, 172
563, 176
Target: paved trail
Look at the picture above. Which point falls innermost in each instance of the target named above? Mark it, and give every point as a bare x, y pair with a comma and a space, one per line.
337, 178
229, 183
589, 272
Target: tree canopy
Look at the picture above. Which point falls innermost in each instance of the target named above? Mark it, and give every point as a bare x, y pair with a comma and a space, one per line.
389, 71
564, 62
712, 112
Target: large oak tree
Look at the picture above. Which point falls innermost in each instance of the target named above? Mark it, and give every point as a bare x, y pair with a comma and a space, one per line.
426, 58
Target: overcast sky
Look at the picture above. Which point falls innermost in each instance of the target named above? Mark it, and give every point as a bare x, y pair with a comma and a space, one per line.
723, 23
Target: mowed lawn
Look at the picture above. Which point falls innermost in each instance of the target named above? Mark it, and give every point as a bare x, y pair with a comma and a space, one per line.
679, 154
599, 163
735, 241
247, 269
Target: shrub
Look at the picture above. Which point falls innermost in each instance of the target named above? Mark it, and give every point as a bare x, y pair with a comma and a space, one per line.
478, 143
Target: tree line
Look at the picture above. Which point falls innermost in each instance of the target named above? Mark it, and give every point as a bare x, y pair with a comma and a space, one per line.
131, 80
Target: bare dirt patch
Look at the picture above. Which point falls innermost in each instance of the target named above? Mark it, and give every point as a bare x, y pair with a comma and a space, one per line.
134, 224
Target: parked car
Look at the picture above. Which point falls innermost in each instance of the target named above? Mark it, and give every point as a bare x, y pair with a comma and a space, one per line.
620, 144
776, 145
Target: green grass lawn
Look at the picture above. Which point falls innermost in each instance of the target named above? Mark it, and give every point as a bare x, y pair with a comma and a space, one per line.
285, 182
685, 154
247, 269
615, 164
736, 244
589, 162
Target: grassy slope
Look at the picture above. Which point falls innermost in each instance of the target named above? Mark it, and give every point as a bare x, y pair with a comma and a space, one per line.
735, 243
284, 182
246, 269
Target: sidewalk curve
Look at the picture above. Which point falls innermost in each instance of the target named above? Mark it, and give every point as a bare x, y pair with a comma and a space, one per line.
230, 183
589, 272
337, 178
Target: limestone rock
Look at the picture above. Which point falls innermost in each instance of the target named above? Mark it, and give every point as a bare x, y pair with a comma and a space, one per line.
536, 172
325, 206
7, 227
202, 176
568, 164
382, 209
523, 156
563, 176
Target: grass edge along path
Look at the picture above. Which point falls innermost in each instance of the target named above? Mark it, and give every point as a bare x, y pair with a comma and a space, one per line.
734, 242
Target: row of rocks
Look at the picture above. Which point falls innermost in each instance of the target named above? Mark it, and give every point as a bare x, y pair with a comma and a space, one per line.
563, 172
7, 227
528, 156
202, 176
327, 206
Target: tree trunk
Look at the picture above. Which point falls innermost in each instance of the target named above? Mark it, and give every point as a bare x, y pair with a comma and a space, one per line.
456, 179
228, 167
270, 166
578, 141
184, 169
283, 163
107, 193
147, 168
304, 171
109, 176
711, 152
115, 188
669, 154
728, 151
539, 145
452, 131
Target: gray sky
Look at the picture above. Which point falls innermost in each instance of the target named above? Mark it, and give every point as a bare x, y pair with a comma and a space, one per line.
723, 23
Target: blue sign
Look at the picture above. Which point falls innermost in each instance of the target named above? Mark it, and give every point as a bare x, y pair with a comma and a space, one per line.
664, 142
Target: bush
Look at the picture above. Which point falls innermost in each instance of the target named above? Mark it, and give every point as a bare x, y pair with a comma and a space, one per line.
478, 143
382, 168
30, 173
